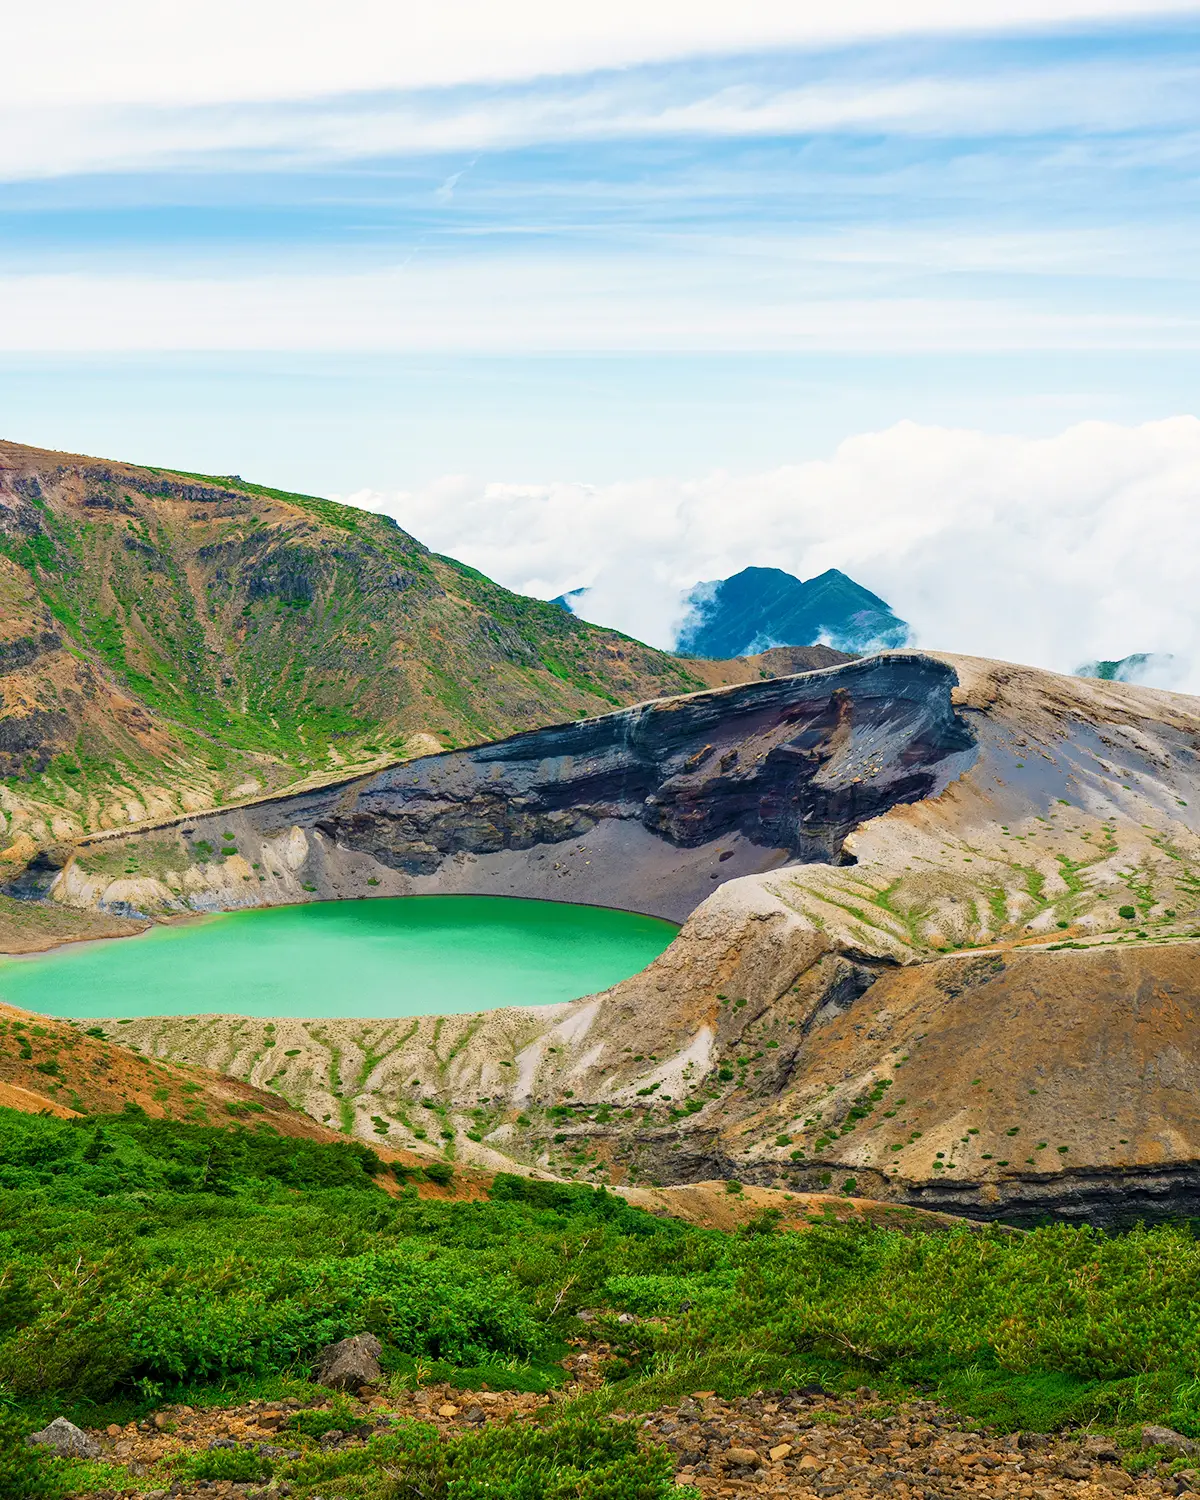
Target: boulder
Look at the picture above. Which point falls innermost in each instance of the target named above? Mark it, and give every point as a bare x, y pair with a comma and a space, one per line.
1100, 1448
352, 1362
65, 1439
1168, 1438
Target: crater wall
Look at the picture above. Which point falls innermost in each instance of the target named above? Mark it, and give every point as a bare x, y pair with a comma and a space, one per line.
648, 808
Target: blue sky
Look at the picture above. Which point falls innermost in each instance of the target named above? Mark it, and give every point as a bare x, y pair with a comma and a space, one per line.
360, 251
821, 237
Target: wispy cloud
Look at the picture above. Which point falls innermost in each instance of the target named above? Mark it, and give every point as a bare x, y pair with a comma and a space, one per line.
946, 89
1012, 176
531, 303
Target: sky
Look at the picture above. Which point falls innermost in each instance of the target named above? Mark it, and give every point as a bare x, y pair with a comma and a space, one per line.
635, 295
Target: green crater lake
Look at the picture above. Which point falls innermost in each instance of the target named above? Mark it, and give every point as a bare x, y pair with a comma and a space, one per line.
391, 956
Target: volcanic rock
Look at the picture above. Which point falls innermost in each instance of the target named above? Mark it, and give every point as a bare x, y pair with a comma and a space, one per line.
1168, 1438
351, 1363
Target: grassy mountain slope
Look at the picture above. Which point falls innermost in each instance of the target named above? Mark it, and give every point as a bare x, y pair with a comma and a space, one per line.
170, 642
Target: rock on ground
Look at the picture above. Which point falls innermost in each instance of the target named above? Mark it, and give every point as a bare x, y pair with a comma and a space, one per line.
352, 1362
65, 1439
1168, 1438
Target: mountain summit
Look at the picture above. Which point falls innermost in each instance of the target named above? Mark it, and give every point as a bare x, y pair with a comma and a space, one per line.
763, 607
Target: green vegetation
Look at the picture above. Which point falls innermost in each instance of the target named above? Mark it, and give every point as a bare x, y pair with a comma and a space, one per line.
24, 1473
148, 1261
264, 636
575, 1458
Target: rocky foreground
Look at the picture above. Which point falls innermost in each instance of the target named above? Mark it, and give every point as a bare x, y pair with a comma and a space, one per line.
802, 1443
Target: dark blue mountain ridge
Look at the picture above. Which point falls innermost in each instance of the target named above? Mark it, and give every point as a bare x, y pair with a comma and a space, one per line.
763, 607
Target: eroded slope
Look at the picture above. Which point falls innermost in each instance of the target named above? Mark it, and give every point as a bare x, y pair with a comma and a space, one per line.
646, 808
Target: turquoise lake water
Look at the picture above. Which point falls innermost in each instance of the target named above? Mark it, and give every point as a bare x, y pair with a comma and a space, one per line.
402, 956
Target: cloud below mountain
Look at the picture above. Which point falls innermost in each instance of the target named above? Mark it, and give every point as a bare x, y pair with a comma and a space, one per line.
1051, 551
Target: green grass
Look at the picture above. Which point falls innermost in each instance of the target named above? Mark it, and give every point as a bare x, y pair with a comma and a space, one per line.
148, 1261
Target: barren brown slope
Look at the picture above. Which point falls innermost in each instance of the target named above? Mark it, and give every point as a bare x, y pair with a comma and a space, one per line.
169, 642
777, 661
729, 1205
998, 1085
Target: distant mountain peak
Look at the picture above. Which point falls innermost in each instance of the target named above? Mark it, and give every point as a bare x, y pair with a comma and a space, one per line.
569, 600
759, 608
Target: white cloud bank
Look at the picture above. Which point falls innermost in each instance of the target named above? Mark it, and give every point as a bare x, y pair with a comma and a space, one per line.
1050, 551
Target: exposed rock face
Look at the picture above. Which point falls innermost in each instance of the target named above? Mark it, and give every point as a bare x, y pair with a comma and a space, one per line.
657, 803
352, 1362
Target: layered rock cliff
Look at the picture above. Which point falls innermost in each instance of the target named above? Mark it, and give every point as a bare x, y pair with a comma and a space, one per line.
645, 809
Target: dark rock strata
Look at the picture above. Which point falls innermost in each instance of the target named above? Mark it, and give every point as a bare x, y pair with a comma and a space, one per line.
661, 800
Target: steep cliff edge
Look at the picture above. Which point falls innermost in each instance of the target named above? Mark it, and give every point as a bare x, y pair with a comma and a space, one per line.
989, 1004
645, 808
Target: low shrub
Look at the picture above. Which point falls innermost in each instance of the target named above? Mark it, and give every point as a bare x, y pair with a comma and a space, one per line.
537, 1376
178, 1325
239, 1465
25, 1473
338, 1416
575, 1458
144, 1257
